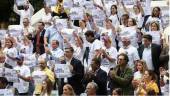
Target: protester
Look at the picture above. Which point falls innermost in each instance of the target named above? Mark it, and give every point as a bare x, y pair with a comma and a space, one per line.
68, 90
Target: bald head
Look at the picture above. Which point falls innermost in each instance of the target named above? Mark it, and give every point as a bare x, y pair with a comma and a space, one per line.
42, 63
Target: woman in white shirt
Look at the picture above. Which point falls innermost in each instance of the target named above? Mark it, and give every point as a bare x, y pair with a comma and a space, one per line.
47, 18
26, 47
109, 55
155, 16
114, 16
10, 53
140, 68
155, 33
137, 14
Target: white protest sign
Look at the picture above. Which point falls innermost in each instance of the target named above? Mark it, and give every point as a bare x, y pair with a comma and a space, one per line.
128, 2
1, 72
29, 60
21, 2
165, 16
39, 76
109, 1
11, 75
62, 71
50, 2
98, 14
78, 2
6, 92
67, 33
88, 5
2, 34
15, 30
61, 23
76, 13
156, 36
67, 3
99, 23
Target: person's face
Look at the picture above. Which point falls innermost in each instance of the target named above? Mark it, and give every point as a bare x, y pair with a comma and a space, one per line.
94, 66
26, 7
40, 26
125, 42
42, 64
114, 93
2, 86
81, 24
130, 22
124, 20
121, 60
154, 27
54, 44
19, 62
107, 44
146, 75
25, 22
113, 10
139, 66
66, 91
89, 38
146, 42
156, 12
2, 59
136, 9
68, 53
89, 89
8, 43
108, 24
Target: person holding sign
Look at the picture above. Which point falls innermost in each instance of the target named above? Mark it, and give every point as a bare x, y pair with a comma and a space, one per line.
26, 13
47, 86
10, 53
24, 76
77, 70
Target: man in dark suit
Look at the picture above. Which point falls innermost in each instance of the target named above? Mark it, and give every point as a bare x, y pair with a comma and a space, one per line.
150, 53
77, 70
38, 41
98, 76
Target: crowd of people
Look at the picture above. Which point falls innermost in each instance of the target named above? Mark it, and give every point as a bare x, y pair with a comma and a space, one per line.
128, 54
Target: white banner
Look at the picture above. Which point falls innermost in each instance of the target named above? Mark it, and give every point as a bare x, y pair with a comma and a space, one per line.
10, 74
21, 2
6, 92
2, 34
67, 3
76, 13
67, 33
128, 2
50, 2
61, 23
62, 71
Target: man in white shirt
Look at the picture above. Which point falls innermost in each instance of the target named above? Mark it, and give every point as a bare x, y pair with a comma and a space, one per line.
23, 75
27, 28
54, 53
94, 48
26, 13
150, 53
131, 51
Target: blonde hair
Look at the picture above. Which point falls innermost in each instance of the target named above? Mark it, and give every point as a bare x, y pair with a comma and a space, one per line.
70, 88
144, 66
